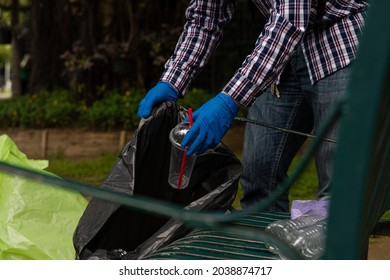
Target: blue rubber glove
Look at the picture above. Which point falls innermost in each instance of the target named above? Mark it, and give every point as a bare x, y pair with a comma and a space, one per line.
210, 123
161, 92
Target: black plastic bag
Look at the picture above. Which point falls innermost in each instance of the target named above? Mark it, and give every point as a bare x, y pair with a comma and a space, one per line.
110, 231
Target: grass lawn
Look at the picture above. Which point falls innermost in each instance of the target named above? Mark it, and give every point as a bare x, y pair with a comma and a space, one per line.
94, 171
304, 188
90, 171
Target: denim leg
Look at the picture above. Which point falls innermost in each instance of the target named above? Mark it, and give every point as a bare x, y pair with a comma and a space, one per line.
323, 96
267, 152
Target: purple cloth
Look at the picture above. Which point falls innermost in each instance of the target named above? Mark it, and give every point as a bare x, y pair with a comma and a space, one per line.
311, 207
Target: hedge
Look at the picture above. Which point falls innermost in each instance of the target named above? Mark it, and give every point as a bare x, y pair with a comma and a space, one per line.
61, 108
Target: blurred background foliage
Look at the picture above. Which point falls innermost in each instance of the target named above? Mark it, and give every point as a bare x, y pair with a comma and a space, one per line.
61, 108
84, 46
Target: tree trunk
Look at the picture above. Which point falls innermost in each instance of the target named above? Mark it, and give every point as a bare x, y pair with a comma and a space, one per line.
15, 59
53, 32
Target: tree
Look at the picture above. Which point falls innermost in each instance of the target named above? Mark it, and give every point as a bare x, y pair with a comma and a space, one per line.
11, 18
96, 46
52, 33
15, 57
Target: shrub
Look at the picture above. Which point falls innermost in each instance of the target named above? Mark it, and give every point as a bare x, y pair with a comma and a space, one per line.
115, 111
194, 98
61, 108
46, 109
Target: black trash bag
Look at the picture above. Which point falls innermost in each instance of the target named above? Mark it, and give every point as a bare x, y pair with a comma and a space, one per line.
110, 231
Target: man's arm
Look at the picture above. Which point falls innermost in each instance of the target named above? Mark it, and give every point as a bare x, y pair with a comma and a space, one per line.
282, 33
201, 35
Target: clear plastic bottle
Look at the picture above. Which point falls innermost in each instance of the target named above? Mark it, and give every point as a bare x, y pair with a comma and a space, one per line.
295, 232
310, 240
282, 228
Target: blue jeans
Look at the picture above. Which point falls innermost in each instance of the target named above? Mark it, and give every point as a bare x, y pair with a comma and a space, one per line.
267, 153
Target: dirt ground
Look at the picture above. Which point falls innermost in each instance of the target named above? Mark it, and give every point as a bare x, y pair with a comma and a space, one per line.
379, 247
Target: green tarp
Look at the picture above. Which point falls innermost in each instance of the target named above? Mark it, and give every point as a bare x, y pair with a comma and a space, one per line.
37, 221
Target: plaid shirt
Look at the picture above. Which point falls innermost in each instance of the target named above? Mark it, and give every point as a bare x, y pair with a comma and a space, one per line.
328, 43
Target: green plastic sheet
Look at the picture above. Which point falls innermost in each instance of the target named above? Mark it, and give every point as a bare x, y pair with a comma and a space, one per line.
37, 221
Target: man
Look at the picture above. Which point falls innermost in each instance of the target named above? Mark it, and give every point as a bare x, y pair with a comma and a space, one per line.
292, 78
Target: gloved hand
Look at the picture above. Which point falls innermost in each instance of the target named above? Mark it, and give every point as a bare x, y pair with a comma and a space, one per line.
210, 123
161, 92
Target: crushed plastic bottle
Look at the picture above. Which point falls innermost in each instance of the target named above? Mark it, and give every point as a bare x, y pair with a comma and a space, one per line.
282, 228
310, 240
306, 234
